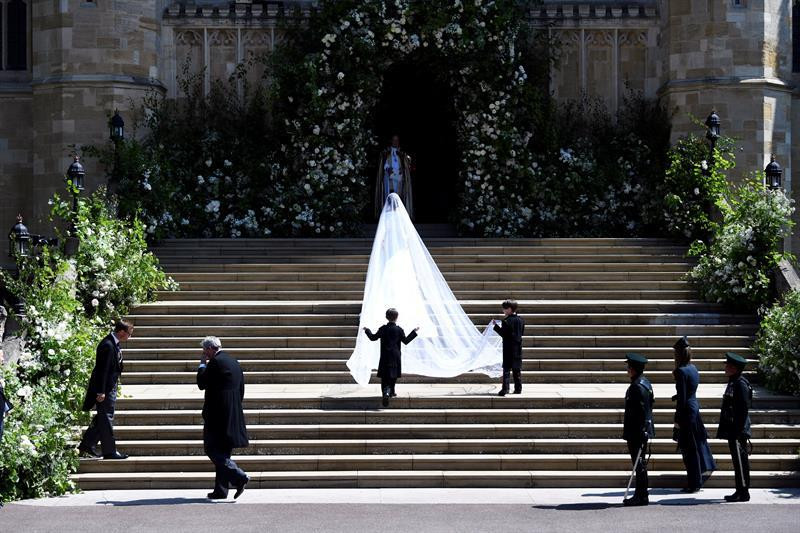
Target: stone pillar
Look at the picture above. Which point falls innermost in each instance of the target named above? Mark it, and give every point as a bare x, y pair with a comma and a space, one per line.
733, 58
89, 58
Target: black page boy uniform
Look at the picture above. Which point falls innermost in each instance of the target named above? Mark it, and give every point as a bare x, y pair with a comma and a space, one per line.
734, 423
638, 426
389, 365
511, 330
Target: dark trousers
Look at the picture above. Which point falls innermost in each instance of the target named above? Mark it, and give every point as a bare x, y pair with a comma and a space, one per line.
228, 473
102, 425
387, 386
691, 460
517, 379
741, 463
2, 418
641, 467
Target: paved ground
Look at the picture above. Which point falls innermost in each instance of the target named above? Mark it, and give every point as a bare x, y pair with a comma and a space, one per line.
405, 510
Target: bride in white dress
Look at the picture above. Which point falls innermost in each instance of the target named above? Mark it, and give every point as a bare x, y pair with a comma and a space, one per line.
403, 275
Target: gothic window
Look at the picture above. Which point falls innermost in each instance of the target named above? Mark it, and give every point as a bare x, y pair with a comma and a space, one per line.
17, 35
795, 36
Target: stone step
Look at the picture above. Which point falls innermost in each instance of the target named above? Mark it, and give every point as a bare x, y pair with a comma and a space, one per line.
456, 286
451, 277
425, 431
438, 446
368, 237
496, 295
189, 308
299, 329
471, 257
481, 319
342, 354
154, 417
415, 462
623, 342
352, 397
419, 478
489, 268
326, 365
208, 252
343, 376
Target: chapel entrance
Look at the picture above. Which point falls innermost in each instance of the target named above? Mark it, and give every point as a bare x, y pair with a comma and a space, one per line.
417, 105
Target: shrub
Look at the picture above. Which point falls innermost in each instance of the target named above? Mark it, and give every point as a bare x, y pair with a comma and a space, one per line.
778, 345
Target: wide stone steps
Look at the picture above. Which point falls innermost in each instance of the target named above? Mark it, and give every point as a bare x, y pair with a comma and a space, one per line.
494, 294
532, 330
288, 309
376, 446
423, 431
622, 342
415, 462
326, 365
421, 478
147, 417
480, 319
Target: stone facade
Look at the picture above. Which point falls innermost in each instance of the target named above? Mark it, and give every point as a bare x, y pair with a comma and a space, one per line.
87, 58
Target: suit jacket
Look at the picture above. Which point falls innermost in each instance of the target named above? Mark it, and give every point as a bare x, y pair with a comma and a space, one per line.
638, 423
511, 329
390, 335
734, 419
107, 369
223, 382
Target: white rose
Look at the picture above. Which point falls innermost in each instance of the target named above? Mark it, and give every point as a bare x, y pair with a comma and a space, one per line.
95, 302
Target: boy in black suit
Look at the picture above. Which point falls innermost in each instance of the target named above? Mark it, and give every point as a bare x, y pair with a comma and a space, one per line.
389, 369
511, 329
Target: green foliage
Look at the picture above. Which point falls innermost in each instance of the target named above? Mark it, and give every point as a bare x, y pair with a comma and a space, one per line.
694, 186
735, 267
61, 328
778, 345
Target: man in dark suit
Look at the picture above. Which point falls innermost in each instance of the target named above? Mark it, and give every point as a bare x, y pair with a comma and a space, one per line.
734, 423
638, 426
511, 330
224, 429
102, 393
390, 365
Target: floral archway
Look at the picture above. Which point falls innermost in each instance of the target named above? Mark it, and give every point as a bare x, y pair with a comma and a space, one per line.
328, 82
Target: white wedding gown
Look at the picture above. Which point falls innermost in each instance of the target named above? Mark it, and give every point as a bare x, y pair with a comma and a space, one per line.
403, 275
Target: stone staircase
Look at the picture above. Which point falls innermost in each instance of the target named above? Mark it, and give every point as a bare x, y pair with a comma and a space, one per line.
288, 310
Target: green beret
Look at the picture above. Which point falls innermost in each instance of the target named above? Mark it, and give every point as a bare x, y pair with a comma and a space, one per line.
682, 343
636, 358
735, 359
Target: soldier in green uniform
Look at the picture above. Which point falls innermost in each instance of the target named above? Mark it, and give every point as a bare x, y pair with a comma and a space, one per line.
734, 423
638, 426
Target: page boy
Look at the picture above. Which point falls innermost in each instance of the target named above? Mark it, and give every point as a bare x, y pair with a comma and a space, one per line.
389, 369
511, 330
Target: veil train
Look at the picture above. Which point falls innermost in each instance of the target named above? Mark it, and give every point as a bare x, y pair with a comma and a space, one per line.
403, 275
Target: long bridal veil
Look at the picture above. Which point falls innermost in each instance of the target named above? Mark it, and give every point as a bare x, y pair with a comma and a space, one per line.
403, 275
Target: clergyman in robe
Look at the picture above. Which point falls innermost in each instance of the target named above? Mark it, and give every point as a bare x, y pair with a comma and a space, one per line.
394, 176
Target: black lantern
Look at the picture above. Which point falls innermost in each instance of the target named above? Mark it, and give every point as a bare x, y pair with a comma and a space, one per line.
712, 123
19, 240
76, 173
774, 173
116, 127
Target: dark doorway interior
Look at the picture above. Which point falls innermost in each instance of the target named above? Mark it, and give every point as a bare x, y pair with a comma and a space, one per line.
418, 106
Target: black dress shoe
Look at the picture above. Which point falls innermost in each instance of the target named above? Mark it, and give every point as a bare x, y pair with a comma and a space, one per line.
393, 395
502, 393
635, 501
385, 401
216, 495
88, 450
690, 490
115, 455
240, 488
518, 391
738, 497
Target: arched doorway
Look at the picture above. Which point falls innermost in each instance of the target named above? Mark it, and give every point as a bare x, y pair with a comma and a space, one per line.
418, 106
